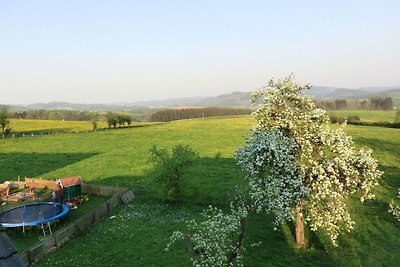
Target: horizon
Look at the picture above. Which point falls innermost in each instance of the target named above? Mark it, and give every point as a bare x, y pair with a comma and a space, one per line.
99, 52
121, 103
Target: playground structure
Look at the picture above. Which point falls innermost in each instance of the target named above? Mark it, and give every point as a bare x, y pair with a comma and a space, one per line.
34, 214
70, 187
20, 196
65, 188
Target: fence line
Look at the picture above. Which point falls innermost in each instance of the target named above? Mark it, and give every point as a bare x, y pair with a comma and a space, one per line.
102, 190
119, 195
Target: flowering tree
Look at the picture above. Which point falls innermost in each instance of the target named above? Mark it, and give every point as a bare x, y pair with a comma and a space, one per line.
217, 239
298, 167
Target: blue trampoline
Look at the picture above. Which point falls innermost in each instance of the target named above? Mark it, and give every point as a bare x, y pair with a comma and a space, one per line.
33, 214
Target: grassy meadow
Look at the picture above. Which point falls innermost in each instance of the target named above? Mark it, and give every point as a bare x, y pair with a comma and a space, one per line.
44, 126
368, 115
27, 126
139, 232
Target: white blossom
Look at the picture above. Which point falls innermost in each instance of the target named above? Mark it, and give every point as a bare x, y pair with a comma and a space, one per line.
214, 238
293, 155
395, 209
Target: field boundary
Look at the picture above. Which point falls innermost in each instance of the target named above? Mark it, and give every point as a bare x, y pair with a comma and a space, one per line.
48, 244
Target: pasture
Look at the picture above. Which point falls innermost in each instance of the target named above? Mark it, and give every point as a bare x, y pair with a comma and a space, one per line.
368, 115
139, 232
45, 126
27, 126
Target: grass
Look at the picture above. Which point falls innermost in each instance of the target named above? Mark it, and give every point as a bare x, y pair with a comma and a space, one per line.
368, 115
29, 126
19, 125
140, 231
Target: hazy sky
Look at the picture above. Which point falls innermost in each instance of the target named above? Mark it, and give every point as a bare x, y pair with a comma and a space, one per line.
125, 51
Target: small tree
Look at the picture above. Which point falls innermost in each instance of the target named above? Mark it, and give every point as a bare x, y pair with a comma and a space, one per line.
298, 167
94, 124
395, 209
397, 117
4, 122
94, 118
111, 119
170, 168
217, 239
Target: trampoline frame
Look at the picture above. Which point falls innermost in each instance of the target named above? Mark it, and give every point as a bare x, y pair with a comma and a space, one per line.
64, 211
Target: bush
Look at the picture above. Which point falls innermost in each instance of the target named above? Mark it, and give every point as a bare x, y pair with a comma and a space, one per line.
170, 168
353, 119
334, 118
397, 118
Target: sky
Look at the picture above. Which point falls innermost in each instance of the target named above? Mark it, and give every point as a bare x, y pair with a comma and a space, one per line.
127, 51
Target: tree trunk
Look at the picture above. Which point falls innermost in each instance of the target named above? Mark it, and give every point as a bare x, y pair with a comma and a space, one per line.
300, 240
239, 245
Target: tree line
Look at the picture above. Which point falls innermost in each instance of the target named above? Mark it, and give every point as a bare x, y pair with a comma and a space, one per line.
190, 113
114, 119
356, 120
376, 102
67, 115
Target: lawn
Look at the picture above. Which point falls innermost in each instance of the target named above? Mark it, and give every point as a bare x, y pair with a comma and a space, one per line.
139, 232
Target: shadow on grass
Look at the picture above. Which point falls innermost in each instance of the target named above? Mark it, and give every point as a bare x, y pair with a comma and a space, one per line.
209, 181
385, 146
212, 181
13, 165
142, 186
268, 247
391, 176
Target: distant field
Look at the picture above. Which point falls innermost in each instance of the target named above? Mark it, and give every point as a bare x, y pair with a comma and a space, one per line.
396, 103
56, 125
137, 236
368, 115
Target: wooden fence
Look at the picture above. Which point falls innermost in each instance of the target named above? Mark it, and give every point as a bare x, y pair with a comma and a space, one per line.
36, 182
52, 242
102, 190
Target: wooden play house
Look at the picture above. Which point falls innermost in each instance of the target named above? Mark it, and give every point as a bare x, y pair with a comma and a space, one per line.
70, 187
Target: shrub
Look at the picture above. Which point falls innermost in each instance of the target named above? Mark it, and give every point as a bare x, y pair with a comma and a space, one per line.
334, 118
170, 168
353, 119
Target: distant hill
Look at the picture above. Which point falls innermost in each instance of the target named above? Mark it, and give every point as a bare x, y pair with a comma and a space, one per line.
11, 108
324, 93
393, 93
232, 100
72, 106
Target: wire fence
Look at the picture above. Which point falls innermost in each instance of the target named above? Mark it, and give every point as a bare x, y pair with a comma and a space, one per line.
51, 242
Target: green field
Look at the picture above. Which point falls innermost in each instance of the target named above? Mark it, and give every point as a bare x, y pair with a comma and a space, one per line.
51, 125
139, 232
368, 115
28, 126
